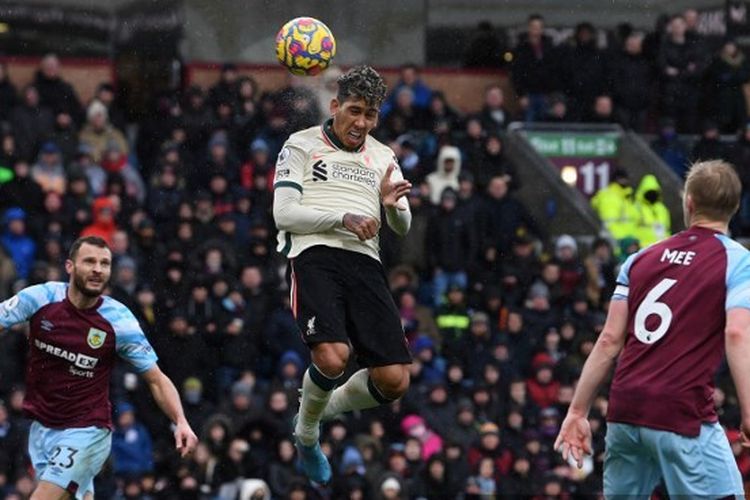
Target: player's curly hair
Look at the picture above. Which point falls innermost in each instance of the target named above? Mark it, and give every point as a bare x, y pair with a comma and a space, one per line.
362, 82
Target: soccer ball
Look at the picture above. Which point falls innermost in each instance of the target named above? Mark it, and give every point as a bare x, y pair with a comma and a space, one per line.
305, 46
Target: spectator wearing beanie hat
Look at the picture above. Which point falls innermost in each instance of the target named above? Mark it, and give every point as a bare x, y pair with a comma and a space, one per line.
489, 446
433, 365
415, 426
542, 386
16, 241
438, 410
465, 428
98, 132
390, 489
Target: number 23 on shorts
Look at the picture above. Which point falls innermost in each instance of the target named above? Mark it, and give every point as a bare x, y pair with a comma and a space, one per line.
62, 456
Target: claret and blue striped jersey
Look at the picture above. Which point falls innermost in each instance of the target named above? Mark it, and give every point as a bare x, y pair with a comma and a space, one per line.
72, 353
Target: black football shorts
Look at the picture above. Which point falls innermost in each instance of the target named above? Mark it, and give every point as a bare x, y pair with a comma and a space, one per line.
342, 296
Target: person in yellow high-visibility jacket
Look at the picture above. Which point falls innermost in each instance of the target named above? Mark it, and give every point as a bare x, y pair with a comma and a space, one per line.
654, 220
615, 207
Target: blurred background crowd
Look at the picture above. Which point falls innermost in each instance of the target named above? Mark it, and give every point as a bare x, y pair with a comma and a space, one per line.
500, 317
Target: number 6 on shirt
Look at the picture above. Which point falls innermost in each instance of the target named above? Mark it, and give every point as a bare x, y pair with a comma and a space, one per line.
649, 306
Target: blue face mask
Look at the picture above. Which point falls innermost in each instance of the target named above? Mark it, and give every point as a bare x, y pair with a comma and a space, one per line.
192, 396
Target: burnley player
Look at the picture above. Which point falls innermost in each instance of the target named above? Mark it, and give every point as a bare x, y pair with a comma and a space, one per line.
74, 335
331, 182
677, 306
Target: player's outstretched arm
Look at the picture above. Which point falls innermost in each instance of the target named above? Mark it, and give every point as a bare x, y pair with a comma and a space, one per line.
575, 433
168, 399
737, 343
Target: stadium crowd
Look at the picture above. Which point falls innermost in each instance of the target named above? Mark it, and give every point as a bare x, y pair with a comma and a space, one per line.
499, 319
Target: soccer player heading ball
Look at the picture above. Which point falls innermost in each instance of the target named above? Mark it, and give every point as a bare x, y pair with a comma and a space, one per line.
677, 305
331, 181
74, 336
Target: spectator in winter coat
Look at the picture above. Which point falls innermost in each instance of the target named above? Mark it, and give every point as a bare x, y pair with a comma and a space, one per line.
726, 76
654, 220
417, 319
409, 79
534, 69
115, 161
500, 217
709, 146
495, 117
165, 197
413, 248
22, 191
16, 242
600, 267
681, 66
438, 409
405, 116
197, 408
493, 163
132, 453
49, 171
103, 224
415, 426
465, 428
446, 173
451, 245
630, 78
54, 92
614, 206
94, 172
98, 132
489, 446
572, 272
542, 386
433, 365
583, 71
475, 348
31, 122
65, 135
283, 472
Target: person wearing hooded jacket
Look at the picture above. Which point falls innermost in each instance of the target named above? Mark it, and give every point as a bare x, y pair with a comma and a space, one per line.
654, 221
446, 173
614, 206
104, 224
16, 242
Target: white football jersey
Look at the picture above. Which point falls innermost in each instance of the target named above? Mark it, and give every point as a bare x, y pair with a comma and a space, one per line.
335, 180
